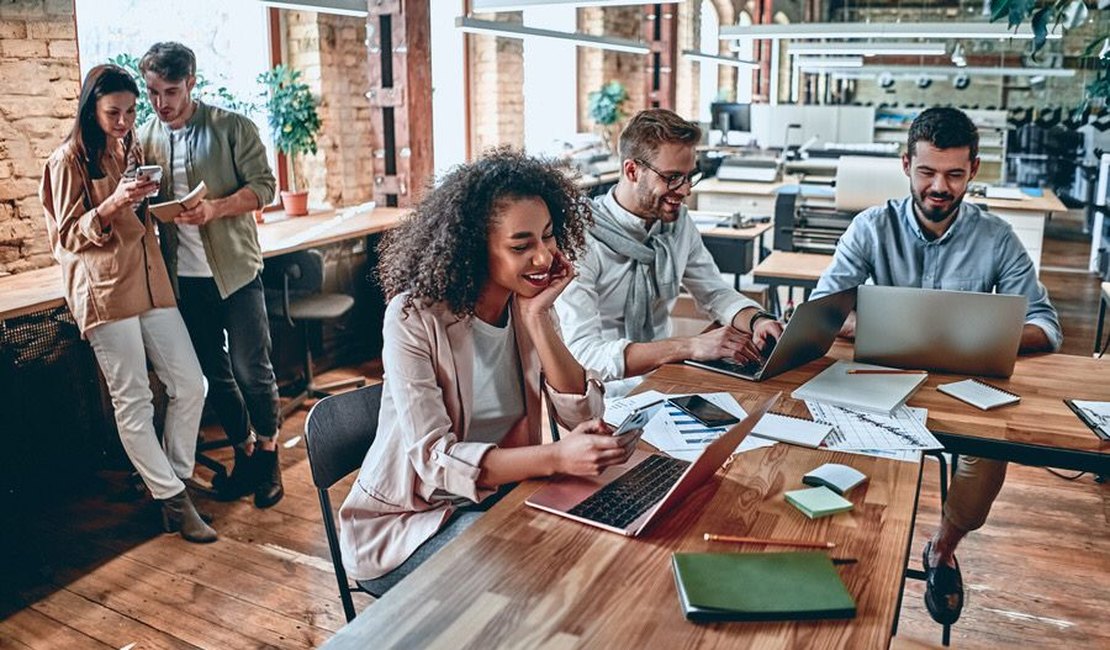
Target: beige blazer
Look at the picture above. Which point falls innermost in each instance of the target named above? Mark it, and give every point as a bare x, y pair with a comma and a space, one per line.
108, 274
421, 443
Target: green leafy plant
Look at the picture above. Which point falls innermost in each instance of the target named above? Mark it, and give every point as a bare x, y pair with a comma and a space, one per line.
293, 119
1065, 14
605, 105
204, 90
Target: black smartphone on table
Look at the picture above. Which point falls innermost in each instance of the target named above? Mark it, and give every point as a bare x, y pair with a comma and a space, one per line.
704, 411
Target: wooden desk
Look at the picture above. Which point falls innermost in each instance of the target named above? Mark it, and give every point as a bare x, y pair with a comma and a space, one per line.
1027, 217
734, 249
33, 291
524, 578
788, 269
748, 198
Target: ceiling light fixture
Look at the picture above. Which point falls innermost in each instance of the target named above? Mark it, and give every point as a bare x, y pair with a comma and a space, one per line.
892, 48
485, 6
879, 30
510, 30
875, 71
810, 62
355, 8
719, 59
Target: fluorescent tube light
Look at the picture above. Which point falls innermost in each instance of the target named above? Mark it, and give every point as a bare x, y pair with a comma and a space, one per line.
879, 30
717, 58
339, 7
485, 6
875, 70
510, 30
892, 48
808, 62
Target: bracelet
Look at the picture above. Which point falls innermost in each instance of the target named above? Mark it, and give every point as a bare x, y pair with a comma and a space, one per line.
756, 316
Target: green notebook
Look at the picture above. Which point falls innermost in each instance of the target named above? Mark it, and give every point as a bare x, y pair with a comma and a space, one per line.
760, 587
818, 502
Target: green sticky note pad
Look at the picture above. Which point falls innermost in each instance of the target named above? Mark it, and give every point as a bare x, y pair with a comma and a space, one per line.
818, 502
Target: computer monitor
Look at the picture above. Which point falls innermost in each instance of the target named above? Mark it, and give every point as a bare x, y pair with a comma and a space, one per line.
730, 116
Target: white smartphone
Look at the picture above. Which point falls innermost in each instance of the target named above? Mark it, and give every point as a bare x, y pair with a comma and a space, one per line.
638, 419
153, 173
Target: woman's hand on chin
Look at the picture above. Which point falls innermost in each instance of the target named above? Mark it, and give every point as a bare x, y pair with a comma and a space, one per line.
561, 273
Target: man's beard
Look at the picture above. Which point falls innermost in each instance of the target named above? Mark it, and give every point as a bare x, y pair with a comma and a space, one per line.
937, 215
651, 207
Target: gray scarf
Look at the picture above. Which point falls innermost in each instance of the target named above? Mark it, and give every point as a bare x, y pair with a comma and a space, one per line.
654, 276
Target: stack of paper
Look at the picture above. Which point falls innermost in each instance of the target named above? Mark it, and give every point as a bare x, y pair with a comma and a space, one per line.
818, 502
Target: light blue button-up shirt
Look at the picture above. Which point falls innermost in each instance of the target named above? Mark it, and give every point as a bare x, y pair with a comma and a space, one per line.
979, 252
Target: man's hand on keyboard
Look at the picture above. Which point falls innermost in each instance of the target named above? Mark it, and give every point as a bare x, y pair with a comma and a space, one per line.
590, 447
725, 342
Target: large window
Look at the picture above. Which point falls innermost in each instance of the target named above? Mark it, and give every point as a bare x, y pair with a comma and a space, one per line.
230, 39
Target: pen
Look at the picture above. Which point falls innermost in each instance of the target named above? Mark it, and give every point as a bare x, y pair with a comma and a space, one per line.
862, 371
711, 537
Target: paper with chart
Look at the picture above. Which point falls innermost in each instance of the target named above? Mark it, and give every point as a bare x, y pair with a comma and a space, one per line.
864, 430
675, 433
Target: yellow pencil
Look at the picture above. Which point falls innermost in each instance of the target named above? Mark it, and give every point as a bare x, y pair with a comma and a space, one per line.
711, 537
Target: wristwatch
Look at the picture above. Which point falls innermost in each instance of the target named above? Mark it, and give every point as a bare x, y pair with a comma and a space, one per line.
756, 316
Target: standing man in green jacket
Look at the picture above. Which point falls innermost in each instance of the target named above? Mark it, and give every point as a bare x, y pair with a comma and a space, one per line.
214, 260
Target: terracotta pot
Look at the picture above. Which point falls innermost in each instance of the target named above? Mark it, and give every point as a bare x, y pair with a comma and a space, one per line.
295, 203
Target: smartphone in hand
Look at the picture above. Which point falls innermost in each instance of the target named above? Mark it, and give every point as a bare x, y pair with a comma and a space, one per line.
637, 419
704, 411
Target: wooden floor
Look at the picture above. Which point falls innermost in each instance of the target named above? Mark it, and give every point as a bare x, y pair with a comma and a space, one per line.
95, 572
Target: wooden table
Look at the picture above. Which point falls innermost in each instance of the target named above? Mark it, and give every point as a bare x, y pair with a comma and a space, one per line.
788, 269
33, 291
524, 578
734, 249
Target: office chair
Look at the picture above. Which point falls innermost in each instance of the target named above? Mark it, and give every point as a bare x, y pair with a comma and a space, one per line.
301, 277
337, 433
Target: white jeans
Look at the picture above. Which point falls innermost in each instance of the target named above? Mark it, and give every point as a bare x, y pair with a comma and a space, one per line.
122, 349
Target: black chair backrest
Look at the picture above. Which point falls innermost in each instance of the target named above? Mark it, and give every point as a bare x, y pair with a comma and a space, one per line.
339, 431
304, 271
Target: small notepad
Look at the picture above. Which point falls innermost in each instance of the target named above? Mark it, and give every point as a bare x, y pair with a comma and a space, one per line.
792, 430
838, 478
978, 394
818, 502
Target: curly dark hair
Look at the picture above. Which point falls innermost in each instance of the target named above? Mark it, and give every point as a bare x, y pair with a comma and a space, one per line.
439, 253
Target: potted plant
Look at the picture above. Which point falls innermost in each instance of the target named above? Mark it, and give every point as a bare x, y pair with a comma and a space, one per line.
606, 109
294, 124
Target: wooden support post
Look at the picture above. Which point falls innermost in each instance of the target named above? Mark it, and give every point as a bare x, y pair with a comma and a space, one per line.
400, 93
661, 34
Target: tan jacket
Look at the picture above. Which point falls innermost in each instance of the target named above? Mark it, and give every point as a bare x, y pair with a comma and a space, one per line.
108, 275
421, 440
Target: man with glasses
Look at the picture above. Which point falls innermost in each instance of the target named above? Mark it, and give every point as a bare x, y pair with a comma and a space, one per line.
615, 315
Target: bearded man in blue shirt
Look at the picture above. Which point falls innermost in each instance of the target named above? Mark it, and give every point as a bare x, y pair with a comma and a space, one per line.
934, 240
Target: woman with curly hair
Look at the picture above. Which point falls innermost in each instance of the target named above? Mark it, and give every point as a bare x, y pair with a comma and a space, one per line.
472, 276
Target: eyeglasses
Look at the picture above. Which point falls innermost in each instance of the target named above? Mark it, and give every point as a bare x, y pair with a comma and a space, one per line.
675, 180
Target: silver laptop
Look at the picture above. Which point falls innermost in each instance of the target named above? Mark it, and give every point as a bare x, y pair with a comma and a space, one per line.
808, 336
627, 498
961, 332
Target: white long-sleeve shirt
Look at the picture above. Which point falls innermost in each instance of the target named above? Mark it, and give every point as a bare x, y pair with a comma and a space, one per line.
591, 308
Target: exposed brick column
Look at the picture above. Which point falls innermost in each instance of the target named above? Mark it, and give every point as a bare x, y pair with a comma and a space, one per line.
660, 31
597, 67
496, 87
39, 84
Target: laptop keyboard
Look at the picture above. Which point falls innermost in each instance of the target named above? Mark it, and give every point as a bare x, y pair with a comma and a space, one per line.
622, 501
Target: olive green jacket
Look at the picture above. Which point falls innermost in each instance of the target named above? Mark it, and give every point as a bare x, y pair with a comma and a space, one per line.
226, 153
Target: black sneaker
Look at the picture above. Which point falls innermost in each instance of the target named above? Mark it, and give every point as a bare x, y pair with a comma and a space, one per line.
944, 590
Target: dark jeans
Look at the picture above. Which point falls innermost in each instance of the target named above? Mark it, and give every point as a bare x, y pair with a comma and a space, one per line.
232, 340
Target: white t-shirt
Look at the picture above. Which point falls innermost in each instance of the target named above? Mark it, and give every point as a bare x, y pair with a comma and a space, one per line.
191, 259
498, 395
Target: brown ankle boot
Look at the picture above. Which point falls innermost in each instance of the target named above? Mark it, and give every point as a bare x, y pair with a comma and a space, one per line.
178, 514
268, 490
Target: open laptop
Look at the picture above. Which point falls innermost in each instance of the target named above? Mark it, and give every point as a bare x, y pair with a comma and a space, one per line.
627, 498
808, 336
962, 332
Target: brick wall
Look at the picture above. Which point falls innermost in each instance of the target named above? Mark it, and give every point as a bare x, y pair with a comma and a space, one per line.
497, 87
597, 67
330, 52
39, 84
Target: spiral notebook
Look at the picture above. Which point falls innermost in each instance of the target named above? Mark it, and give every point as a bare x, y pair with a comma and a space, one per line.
979, 394
792, 430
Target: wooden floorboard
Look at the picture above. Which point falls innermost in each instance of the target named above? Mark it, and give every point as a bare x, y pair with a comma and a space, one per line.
95, 571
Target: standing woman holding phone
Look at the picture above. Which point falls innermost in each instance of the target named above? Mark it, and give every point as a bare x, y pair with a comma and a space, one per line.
472, 276
118, 290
